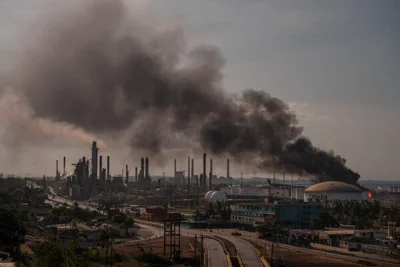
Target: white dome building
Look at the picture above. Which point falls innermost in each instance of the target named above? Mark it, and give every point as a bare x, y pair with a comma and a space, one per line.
333, 191
208, 195
218, 196
215, 196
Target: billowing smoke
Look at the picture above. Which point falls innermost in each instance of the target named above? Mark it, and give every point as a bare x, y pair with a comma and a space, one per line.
101, 70
19, 120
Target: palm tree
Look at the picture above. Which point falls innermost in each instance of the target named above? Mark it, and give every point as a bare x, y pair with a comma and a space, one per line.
128, 223
105, 243
75, 209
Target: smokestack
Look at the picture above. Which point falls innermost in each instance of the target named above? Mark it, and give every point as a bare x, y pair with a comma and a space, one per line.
136, 175
141, 169
95, 152
147, 167
211, 173
87, 169
188, 174
126, 174
227, 168
56, 168
108, 168
204, 168
174, 168
101, 167
192, 168
64, 162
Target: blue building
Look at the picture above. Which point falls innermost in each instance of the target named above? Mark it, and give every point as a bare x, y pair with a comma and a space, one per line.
296, 215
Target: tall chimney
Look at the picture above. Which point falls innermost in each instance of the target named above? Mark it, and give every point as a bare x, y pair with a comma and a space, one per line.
204, 168
147, 168
126, 174
101, 168
56, 168
87, 169
141, 175
64, 162
227, 168
188, 174
108, 168
192, 169
95, 152
136, 175
174, 168
211, 173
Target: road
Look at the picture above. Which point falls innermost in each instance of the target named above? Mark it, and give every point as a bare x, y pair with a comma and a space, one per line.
216, 254
244, 249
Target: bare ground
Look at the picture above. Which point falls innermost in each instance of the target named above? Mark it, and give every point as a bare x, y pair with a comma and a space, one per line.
301, 258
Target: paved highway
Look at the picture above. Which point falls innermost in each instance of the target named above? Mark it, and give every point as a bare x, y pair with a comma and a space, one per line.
244, 249
216, 254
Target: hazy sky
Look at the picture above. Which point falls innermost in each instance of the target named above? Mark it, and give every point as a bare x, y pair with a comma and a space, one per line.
336, 62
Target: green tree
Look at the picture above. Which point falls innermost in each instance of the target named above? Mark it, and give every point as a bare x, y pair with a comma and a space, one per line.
129, 222
48, 254
11, 230
317, 223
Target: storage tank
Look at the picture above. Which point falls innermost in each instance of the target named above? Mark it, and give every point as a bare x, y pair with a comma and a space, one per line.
208, 195
218, 196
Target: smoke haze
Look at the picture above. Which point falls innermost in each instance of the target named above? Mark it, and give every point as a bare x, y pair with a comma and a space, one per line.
97, 69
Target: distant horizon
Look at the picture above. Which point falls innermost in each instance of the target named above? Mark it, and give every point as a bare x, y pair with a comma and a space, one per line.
397, 181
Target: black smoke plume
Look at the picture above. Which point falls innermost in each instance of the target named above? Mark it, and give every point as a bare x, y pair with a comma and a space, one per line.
98, 69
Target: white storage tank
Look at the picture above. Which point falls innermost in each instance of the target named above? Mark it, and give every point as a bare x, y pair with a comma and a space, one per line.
333, 191
208, 195
218, 196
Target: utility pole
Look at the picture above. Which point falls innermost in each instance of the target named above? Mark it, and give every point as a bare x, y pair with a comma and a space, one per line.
291, 189
195, 246
272, 250
202, 251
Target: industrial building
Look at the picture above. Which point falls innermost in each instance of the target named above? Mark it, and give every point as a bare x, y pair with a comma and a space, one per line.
251, 213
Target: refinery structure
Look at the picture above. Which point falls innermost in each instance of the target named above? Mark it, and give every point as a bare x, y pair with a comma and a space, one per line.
253, 202
93, 180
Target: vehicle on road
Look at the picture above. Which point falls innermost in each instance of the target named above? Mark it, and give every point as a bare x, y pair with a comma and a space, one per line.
236, 233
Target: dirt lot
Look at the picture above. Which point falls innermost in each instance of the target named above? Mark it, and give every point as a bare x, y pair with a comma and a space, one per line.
155, 246
299, 258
